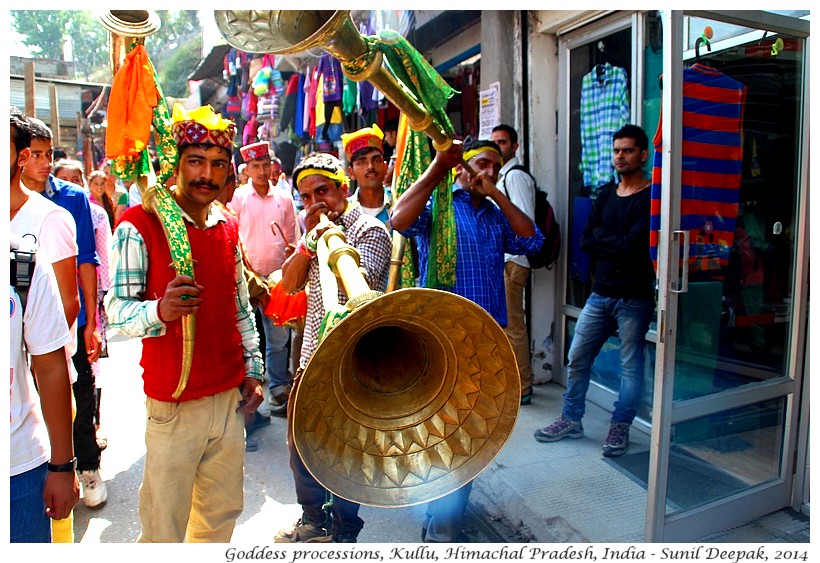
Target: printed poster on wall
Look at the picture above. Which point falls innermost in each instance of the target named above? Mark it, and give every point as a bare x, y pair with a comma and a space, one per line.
489, 114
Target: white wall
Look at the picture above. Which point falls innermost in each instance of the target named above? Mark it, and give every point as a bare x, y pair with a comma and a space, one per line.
543, 152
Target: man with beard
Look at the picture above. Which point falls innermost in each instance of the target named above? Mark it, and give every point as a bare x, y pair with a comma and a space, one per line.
192, 488
616, 236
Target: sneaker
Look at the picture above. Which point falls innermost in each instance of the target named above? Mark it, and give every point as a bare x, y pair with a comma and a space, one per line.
561, 428
303, 532
526, 398
617, 440
94, 490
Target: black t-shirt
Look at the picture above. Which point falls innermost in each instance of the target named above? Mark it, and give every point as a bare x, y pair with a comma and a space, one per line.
616, 236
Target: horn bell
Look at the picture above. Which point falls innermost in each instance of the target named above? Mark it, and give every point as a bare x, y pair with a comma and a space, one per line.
407, 399
130, 23
280, 31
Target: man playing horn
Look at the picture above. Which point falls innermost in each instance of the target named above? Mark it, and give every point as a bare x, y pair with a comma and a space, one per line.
484, 233
322, 186
192, 484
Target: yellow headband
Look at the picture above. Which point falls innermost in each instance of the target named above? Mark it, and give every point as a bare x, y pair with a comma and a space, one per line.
339, 176
473, 152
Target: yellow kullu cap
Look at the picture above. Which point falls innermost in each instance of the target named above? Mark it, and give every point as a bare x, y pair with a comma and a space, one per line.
369, 137
202, 126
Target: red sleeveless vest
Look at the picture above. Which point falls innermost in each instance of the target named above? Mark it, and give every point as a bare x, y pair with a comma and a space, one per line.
218, 361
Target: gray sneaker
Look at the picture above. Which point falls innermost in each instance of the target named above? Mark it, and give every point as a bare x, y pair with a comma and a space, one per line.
617, 440
561, 428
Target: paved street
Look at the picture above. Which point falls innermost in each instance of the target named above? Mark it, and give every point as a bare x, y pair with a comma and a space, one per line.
270, 501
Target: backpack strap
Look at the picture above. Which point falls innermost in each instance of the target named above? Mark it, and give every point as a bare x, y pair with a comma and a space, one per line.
523, 169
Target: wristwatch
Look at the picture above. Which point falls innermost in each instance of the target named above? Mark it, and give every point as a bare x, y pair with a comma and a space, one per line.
63, 467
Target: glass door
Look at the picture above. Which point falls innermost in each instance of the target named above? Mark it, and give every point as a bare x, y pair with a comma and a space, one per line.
730, 220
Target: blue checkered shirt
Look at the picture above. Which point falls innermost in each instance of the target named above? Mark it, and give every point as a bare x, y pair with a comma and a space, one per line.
483, 236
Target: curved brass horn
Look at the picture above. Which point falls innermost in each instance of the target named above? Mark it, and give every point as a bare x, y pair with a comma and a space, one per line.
126, 28
415, 391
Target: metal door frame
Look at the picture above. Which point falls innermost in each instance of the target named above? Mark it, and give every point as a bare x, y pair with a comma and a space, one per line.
739, 508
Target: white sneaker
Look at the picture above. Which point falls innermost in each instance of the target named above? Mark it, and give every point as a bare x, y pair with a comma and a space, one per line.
94, 490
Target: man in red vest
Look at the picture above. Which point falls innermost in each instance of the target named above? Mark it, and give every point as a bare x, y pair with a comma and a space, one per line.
192, 484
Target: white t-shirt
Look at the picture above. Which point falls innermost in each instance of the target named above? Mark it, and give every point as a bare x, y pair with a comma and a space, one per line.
53, 230
52, 227
43, 331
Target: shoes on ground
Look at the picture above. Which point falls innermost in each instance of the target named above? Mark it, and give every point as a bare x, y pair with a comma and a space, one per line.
279, 403
617, 439
526, 398
258, 422
94, 490
303, 532
561, 428
251, 445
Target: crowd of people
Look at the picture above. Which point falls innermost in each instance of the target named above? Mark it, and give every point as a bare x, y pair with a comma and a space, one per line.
102, 264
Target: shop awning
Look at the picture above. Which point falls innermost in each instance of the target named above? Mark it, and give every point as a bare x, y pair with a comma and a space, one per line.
212, 65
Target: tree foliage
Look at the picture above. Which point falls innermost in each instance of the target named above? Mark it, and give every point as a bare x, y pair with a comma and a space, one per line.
175, 49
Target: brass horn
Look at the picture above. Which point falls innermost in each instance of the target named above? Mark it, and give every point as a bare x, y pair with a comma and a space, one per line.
127, 27
295, 31
408, 397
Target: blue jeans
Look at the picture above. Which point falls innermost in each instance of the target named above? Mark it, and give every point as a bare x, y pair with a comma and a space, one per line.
598, 321
444, 517
276, 353
28, 521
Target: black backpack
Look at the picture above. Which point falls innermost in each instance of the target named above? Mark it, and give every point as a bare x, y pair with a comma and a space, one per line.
548, 225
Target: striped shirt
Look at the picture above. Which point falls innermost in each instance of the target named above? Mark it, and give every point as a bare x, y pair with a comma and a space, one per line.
483, 236
711, 168
134, 316
369, 236
604, 110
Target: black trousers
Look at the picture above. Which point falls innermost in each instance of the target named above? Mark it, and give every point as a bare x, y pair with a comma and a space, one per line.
311, 495
85, 399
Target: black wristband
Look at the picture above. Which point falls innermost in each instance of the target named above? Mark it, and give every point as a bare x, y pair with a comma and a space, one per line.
63, 467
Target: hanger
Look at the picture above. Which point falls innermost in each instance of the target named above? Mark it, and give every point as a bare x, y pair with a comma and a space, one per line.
600, 69
707, 34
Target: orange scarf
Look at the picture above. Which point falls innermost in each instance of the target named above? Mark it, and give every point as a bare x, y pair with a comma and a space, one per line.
134, 96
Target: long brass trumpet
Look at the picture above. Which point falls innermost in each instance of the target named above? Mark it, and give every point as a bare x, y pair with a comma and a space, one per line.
415, 391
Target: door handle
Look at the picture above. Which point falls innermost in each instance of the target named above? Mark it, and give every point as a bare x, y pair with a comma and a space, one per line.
680, 283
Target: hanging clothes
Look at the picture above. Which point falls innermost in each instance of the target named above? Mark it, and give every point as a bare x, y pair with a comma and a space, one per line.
287, 118
299, 127
711, 169
604, 110
310, 102
328, 116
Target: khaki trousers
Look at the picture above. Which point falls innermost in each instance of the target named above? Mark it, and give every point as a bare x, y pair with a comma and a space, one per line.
194, 462
515, 280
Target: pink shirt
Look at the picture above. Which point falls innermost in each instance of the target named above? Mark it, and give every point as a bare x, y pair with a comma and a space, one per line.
265, 250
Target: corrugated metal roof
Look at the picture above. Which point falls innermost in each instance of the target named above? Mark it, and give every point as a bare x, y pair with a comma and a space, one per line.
69, 98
